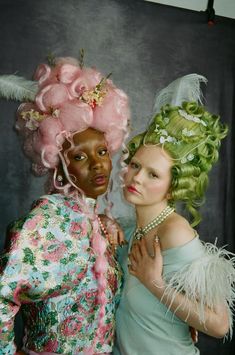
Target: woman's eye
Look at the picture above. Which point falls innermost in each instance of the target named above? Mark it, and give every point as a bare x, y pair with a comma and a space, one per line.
79, 157
134, 165
153, 175
103, 151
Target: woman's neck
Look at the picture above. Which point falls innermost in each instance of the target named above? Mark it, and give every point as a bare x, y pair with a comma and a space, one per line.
145, 214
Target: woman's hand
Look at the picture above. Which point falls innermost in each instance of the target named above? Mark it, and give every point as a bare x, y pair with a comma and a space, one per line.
149, 272
148, 269
114, 230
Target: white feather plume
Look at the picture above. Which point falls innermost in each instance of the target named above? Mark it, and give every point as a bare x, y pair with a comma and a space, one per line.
17, 88
186, 88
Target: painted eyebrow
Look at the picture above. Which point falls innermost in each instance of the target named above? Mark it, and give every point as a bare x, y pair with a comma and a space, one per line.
76, 150
154, 171
149, 168
102, 146
134, 160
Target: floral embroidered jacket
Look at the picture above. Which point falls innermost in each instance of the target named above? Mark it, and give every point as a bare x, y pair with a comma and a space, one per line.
48, 272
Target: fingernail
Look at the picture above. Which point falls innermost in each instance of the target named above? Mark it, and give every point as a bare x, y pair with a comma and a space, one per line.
156, 239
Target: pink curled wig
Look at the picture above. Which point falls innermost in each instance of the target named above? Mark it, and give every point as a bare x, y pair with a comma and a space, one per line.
71, 99
66, 103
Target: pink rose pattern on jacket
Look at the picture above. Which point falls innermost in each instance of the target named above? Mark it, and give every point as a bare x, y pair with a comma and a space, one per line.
48, 272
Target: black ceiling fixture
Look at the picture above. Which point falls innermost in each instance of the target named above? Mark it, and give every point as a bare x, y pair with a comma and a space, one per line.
210, 12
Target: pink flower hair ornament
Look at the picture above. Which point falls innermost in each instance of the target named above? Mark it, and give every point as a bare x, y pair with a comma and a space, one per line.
63, 99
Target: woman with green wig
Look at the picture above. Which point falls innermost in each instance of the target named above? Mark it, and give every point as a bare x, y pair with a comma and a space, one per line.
173, 280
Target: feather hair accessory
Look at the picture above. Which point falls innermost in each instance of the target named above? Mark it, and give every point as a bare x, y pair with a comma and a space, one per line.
17, 88
186, 88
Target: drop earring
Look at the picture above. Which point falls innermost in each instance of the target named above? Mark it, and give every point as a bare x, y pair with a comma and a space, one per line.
168, 196
60, 179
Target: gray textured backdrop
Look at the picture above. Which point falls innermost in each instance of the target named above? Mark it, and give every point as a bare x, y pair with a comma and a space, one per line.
146, 46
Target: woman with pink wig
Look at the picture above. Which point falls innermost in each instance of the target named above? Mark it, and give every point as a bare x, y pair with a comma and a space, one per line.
60, 268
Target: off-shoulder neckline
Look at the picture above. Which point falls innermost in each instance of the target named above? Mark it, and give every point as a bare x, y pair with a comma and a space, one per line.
192, 241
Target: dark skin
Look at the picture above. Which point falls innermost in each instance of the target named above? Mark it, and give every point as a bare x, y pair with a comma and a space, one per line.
89, 162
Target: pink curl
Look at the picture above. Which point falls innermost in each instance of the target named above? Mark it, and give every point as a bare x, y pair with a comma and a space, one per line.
101, 265
66, 60
114, 105
114, 137
49, 129
87, 80
99, 244
102, 311
52, 97
67, 73
42, 73
102, 282
45, 74
108, 117
70, 112
50, 157
29, 147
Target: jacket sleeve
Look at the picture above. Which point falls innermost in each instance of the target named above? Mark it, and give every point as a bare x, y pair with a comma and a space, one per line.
22, 280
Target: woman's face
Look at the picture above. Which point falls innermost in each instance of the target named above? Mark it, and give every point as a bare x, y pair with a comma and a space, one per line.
148, 177
89, 162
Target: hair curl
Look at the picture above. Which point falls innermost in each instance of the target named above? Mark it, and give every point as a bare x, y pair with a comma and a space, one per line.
192, 138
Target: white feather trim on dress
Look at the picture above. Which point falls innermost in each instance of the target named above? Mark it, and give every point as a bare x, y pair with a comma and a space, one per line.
208, 281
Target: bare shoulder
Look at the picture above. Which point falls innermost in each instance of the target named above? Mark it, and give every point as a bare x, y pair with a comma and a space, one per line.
175, 231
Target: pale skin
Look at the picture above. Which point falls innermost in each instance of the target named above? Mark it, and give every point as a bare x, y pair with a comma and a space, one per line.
147, 186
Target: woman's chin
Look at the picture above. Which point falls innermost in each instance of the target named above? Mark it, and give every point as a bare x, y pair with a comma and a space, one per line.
130, 197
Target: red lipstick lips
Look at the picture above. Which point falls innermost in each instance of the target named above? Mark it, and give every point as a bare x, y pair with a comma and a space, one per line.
132, 189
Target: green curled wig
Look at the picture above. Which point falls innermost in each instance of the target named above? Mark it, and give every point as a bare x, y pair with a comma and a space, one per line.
192, 137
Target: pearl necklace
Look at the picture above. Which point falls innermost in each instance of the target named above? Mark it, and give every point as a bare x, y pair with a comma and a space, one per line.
141, 232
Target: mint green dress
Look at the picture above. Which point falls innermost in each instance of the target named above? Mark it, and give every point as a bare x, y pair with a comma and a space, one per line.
144, 326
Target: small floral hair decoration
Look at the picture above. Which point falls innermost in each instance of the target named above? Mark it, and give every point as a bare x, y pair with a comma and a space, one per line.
65, 97
183, 96
169, 127
180, 123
